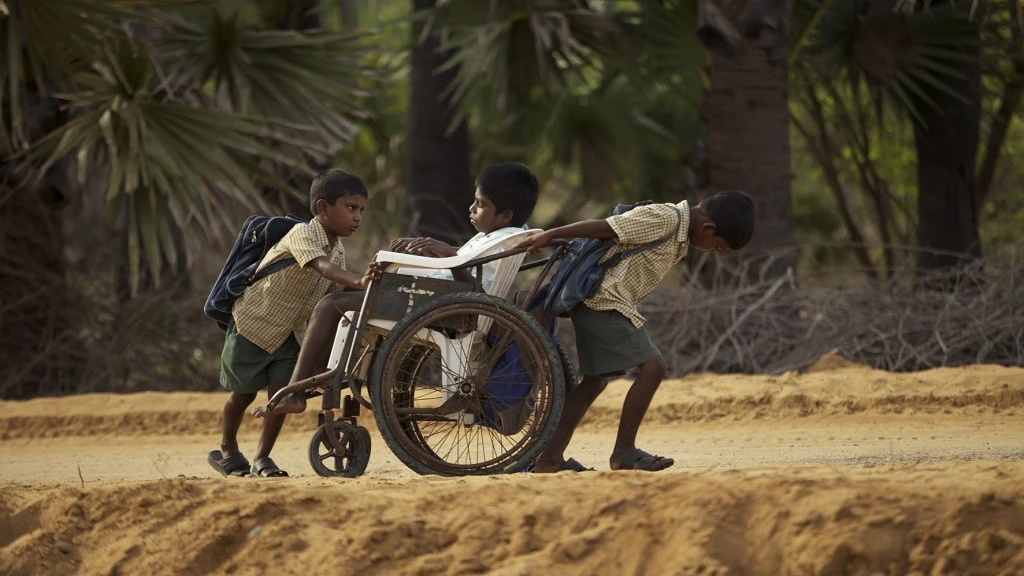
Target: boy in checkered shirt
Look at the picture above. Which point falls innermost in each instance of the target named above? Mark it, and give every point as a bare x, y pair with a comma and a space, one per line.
610, 337
260, 348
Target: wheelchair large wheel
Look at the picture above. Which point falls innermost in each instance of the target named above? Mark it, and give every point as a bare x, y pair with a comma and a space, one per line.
437, 410
568, 368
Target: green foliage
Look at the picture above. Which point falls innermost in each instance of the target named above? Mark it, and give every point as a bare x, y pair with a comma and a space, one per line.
862, 71
175, 114
600, 97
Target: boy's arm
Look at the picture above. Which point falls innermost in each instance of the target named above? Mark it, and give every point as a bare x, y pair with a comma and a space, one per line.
338, 275
586, 229
438, 249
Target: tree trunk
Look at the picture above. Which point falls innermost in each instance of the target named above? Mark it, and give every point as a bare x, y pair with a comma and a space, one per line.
947, 151
349, 14
746, 111
39, 349
36, 341
440, 186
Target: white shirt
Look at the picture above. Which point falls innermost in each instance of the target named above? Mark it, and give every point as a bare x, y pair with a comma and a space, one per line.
474, 243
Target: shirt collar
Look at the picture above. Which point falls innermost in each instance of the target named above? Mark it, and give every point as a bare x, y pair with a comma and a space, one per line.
321, 234
684, 225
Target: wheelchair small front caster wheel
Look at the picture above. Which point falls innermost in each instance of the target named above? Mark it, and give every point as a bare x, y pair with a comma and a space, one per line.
339, 449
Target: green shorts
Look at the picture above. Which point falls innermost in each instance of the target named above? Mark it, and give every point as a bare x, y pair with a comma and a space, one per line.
245, 367
608, 344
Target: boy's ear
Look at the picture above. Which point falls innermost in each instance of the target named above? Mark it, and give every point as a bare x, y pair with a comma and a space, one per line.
506, 215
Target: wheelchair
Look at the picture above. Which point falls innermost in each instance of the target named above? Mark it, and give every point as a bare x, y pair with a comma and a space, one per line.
460, 381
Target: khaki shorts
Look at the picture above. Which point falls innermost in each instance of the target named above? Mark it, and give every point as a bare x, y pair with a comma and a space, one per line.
246, 368
608, 344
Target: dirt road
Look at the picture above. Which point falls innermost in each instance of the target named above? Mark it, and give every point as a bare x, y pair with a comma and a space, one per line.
844, 470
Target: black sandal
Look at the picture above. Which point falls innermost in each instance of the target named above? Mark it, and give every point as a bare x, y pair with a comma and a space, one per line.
640, 460
234, 465
265, 468
570, 465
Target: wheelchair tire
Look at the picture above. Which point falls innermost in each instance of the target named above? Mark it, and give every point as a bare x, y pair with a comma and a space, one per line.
540, 411
568, 369
355, 455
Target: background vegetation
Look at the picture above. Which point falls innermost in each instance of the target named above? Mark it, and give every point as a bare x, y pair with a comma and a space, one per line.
879, 138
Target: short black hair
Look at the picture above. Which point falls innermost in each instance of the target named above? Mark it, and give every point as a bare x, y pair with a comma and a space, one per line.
733, 214
510, 186
333, 184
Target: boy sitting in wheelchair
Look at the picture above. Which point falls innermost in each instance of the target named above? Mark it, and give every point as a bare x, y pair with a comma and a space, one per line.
504, 199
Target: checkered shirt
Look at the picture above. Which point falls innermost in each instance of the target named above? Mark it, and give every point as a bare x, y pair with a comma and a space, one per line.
281, 304
636, 276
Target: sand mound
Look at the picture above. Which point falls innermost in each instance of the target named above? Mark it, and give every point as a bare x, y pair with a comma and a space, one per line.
939, 519
832, 361
839, 390
842, 518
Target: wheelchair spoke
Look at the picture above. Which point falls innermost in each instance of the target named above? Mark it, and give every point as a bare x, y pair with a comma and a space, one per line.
468, 403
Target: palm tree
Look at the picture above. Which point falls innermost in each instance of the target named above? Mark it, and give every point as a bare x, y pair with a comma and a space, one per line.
586, 93
747, 110
169, 117
438, 176
924, 62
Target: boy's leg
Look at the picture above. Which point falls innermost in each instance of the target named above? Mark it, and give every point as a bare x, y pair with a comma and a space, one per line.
608, 343
316, 347
262, 464
280, 368
638, 399
323, 325
243, 373
576, 406
234, 409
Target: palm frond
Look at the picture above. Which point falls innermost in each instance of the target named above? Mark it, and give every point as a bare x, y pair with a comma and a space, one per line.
314, 79
42, 43
906, 54
164, 163
507, 51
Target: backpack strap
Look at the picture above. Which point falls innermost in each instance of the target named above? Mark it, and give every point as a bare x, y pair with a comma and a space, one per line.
614, 260
269, 269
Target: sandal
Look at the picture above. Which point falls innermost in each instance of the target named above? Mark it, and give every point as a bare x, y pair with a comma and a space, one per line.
265, 468
640, 460
233, 465
570, 465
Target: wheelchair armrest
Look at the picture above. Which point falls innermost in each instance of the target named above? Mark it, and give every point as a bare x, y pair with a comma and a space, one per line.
494, 246
423, 262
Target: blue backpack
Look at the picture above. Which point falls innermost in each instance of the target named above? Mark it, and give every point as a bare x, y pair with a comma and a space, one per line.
258, 236
581, 271
504, 407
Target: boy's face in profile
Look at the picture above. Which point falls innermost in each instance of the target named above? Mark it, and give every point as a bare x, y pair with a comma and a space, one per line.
343, 218
485, 216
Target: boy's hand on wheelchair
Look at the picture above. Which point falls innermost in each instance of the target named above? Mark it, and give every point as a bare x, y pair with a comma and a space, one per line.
536, 243
431, 247
373, 271
401, 244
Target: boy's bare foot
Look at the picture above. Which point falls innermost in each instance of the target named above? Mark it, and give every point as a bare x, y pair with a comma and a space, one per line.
290, 404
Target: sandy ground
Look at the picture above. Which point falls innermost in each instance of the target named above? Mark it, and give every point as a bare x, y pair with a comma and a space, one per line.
840, 471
